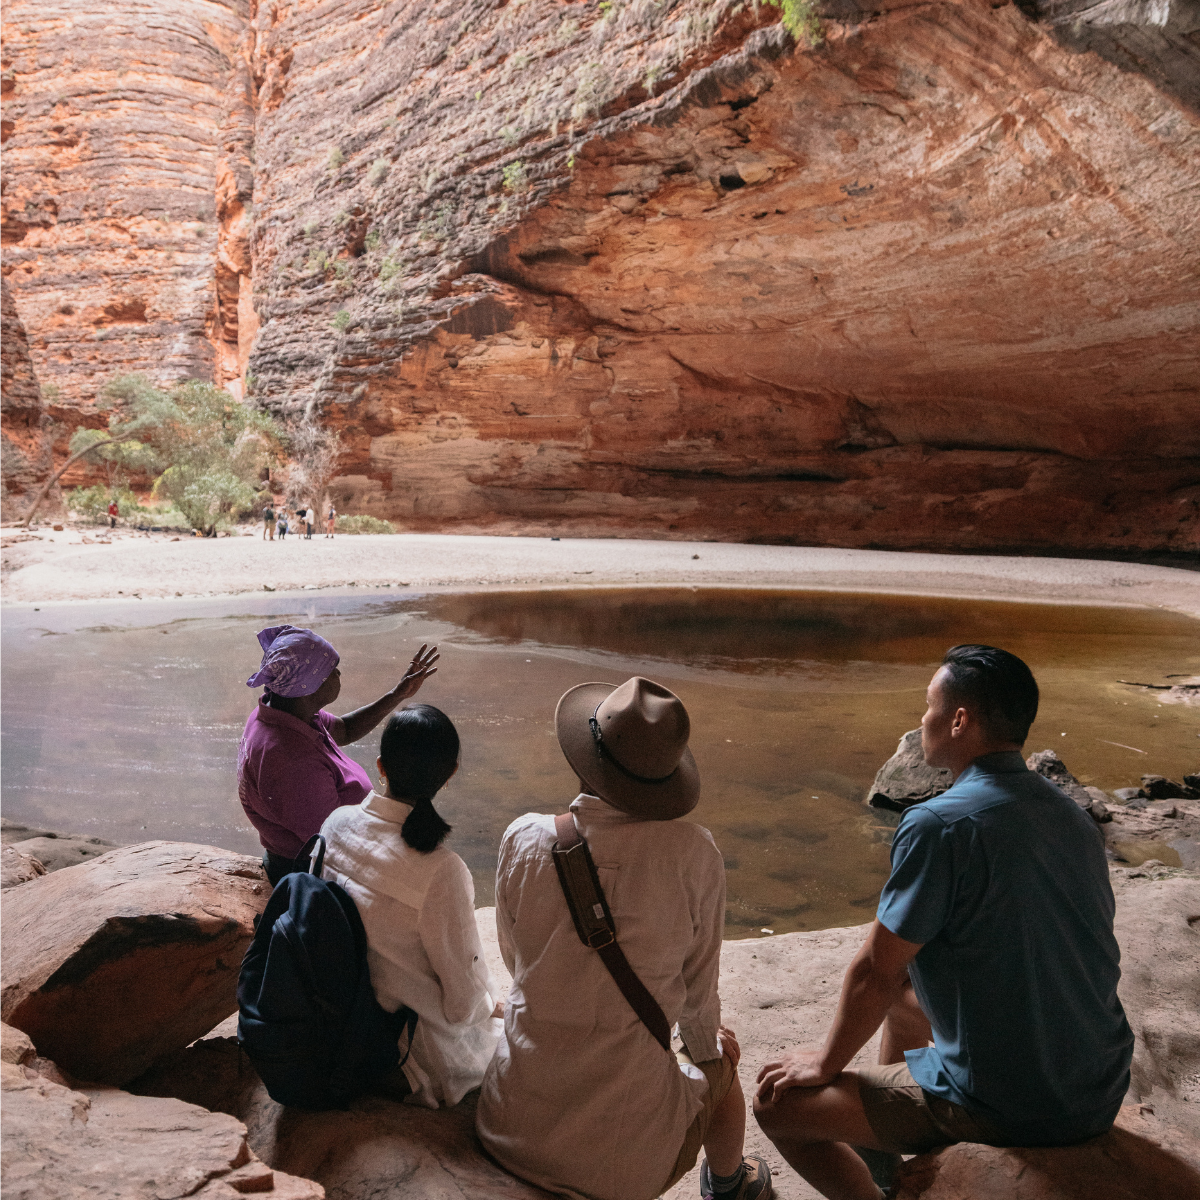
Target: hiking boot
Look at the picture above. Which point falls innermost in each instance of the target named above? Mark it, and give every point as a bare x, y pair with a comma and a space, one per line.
755, 1185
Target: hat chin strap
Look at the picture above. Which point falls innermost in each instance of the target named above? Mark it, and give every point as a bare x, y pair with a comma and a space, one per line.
604, 752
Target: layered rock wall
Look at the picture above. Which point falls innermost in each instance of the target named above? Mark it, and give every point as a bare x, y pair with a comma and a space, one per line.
126, 176
653, 268
25, 435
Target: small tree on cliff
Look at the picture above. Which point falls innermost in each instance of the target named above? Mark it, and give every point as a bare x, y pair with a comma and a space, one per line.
316, 452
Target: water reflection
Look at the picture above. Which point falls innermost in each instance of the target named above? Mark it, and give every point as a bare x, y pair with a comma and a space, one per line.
123, 719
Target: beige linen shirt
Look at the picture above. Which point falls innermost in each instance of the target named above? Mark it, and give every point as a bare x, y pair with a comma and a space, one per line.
423, 945
580, 1099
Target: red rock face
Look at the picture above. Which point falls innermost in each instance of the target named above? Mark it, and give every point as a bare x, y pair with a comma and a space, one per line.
117, 122
660, 273
24, 436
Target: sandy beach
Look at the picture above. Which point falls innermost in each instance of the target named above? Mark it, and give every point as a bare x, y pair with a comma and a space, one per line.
84, 564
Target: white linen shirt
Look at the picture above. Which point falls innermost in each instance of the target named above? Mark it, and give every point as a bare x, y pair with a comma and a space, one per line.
423, 945
580, 1098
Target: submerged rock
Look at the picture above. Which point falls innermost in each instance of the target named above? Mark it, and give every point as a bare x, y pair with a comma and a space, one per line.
906, 779
110, 964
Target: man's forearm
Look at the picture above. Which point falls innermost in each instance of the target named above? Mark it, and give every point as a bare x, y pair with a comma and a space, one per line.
867, 995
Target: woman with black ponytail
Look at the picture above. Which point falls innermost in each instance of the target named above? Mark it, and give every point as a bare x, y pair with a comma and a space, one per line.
417, 903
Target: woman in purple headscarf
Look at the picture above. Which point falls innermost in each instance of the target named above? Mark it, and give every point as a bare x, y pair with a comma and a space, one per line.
291, 771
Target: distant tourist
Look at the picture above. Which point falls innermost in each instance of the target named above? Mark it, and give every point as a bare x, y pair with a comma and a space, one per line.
330, 521
269, 523
281, 525
584, 1096
113, 513
300, 515
994, 939
417, 903
291, 771
309, 516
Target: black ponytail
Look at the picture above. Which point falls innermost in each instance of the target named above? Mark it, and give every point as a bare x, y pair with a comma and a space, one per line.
419, 749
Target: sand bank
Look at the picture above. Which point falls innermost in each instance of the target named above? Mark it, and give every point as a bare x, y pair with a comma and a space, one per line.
76, 565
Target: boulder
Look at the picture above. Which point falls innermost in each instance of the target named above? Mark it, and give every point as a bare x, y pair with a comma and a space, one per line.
905, 778
52, 849
1047, 764
16, 867
99, 1143
57, 850
110, 964
1158, 787
1133, 1161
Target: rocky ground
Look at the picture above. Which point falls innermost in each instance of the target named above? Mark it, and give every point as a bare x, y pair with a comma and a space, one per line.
197, 1121
90, 563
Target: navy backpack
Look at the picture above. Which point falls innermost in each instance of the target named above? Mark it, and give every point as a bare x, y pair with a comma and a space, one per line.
307, 1015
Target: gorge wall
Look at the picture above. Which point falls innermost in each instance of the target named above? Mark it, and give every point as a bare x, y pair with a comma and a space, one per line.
644, 267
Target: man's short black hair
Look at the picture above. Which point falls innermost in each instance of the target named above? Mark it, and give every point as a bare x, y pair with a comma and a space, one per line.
998, 685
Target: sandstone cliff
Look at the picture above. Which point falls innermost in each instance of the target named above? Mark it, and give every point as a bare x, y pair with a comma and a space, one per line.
25, 433
648, 266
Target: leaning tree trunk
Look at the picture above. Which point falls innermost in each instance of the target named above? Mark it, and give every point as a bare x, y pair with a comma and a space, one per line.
54, 478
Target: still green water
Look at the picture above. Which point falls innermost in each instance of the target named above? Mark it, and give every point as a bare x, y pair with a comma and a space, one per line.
122, 719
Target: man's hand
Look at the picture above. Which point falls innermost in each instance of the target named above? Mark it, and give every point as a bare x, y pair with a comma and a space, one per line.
727, 1043
498, 1011
420, 669
796, 1069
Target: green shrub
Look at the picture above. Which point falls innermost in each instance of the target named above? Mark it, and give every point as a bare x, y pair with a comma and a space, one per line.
378, 172
92, 502
363, 525
515, 177
372, 240
800, 20
341, 320
336, 158
310, 228
391, 267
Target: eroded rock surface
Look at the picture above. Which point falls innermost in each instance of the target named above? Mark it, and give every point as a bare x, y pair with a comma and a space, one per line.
110, 964
776, 992
1135, 1160
644, 267
73, 1141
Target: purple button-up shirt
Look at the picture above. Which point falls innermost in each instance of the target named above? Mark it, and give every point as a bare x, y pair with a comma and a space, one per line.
291, 776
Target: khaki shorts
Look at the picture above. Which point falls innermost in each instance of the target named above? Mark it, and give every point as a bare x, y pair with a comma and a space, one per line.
720, 1073
906, 1119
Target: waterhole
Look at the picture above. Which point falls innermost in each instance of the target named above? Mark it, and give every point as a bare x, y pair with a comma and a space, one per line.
122, 719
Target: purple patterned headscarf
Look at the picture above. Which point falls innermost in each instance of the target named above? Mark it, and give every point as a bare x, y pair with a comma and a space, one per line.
295, 661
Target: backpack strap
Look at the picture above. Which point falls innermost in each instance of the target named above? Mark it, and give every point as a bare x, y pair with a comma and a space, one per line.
307, 862
594, 924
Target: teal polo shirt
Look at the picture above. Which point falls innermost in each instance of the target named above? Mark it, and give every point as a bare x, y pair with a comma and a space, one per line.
1003, 882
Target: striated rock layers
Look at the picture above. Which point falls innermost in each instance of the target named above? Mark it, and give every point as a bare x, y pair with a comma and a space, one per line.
25, 459
648, 266
127, 135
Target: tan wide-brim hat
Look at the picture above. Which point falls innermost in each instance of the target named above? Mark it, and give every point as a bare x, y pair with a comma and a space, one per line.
630, 745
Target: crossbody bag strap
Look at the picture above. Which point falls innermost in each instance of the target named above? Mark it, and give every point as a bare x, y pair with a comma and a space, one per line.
594, 924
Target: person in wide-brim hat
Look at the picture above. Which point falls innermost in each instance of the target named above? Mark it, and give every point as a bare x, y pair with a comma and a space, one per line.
629, 744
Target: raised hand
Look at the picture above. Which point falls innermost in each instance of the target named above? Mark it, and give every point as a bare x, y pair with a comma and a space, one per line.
419, 670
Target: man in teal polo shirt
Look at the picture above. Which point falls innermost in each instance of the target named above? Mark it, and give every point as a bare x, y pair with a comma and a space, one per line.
994, 938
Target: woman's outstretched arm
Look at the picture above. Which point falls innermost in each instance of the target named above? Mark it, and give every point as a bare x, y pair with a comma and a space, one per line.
361, 721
